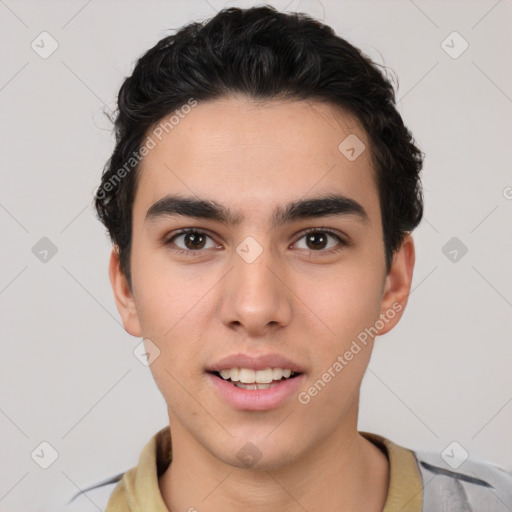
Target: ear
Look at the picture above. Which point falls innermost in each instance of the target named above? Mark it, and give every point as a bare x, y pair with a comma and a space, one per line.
123, 296
397, 285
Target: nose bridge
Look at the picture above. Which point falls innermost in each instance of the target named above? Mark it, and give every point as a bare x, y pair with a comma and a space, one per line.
256, 297
252, 262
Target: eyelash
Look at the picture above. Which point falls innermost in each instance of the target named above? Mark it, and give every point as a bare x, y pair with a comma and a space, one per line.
194, 253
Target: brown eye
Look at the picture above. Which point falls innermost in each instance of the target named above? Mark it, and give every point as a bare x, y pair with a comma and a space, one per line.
194, 240
191, 241
316, 240
320, 240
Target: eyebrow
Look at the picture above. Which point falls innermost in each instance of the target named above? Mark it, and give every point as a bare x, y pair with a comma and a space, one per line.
313, 207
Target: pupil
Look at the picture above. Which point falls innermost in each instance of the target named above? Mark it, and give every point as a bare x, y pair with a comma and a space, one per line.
313, 236
193, 238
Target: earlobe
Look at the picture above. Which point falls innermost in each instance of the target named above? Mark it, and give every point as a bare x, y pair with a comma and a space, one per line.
398, 285
123, 296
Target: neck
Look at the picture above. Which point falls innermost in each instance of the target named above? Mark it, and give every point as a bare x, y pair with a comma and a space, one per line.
344, 472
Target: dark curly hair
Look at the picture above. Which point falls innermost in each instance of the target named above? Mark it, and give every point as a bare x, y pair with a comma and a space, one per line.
264, 54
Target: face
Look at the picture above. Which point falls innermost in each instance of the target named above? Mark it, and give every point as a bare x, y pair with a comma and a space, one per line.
282, 267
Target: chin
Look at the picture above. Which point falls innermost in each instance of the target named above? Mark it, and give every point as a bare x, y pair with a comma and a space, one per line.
258, 456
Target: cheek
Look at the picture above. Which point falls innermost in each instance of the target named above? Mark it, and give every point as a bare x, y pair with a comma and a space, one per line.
172, 324
166, 294
172, 313
349, 305
344, 301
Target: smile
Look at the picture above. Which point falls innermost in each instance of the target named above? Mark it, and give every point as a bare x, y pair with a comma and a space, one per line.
247, 378
255, 390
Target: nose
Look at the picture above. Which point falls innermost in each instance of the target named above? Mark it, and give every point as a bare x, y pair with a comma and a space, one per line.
255, 296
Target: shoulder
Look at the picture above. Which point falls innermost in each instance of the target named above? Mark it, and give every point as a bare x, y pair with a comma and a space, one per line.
153, 460
92, 498
464, 486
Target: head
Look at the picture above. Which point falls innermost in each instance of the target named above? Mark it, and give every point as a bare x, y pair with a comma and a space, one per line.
280, 144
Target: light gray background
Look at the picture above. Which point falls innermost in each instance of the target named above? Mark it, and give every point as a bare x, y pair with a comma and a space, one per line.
68, 374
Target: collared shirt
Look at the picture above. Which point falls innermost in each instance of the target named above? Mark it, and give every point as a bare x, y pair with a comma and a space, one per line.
417, 483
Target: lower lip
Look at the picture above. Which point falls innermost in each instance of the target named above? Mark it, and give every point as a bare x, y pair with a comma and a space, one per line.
256, 399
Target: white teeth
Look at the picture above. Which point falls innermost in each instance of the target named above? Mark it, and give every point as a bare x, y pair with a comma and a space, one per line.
250, 376
246, 386
254, 386
277, 373
247, 376
264, 376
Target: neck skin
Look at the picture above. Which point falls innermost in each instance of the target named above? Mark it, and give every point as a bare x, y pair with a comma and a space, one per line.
345, 472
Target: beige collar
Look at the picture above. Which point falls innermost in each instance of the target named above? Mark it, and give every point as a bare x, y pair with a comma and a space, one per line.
138, 490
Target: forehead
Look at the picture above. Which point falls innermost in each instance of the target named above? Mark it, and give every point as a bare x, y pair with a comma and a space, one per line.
251, 154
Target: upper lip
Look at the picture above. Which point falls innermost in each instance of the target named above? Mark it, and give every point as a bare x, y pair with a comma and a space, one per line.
254, 362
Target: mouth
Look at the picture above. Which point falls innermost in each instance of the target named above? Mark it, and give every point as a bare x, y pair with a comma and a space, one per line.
247, 389
250, 379
255, 383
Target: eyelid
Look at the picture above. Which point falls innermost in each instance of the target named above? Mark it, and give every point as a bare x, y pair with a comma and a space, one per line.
183, 231
334, 232
168, 240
